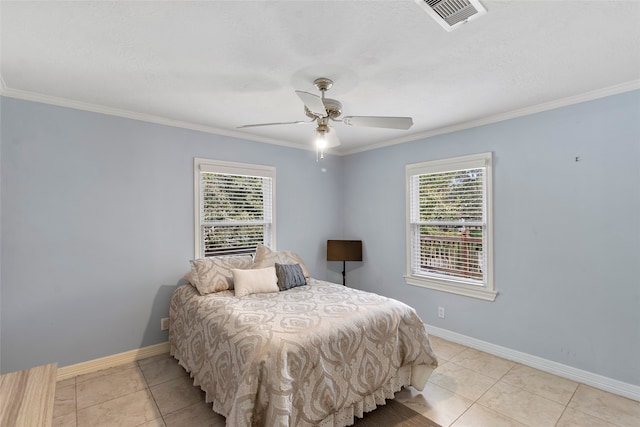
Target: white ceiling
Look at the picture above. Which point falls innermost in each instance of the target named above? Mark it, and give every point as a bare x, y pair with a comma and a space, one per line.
216, 65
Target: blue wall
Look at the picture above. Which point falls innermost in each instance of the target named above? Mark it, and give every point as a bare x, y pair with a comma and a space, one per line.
566, 233
97, 228
97, 225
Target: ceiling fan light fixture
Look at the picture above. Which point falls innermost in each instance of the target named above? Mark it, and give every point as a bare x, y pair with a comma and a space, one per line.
321, 140
322, 111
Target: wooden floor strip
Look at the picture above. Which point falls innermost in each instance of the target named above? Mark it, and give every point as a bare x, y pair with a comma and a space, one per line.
26, 397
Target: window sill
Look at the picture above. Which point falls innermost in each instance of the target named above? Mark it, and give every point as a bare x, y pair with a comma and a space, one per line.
472, 291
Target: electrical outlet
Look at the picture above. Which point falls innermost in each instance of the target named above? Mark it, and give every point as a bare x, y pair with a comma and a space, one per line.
441, 312
164, 323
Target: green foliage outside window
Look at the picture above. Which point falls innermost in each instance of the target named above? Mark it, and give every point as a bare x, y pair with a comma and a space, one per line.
447, 201
234, 217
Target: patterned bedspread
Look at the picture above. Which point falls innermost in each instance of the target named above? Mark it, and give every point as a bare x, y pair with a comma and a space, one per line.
315, 355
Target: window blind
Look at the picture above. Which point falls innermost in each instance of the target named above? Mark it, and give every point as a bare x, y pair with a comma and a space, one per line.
235, 213
448, 224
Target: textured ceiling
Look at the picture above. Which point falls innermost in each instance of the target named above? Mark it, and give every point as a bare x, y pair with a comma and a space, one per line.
216, 65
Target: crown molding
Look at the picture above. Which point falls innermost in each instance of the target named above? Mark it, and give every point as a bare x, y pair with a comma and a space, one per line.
101, 109
563, 102
95, 108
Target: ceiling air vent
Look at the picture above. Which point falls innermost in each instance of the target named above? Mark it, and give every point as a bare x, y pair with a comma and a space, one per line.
452, 13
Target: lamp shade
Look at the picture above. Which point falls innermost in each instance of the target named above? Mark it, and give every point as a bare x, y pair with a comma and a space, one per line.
344, 250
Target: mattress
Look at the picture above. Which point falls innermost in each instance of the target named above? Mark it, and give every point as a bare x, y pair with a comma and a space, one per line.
314, 355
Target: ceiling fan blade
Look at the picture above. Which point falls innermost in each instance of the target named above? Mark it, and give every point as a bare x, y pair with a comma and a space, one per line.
299, 122
379, 122
313, 103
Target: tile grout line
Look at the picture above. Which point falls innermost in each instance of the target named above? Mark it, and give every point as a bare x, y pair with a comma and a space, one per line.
108, 400
460, 416
479, 397
567, 404
102, 377
151, 393
487, 390
496, 381
162, 416
564, 405
515, 365
527, 391
75, 402
494, 384
586, 413
503, 415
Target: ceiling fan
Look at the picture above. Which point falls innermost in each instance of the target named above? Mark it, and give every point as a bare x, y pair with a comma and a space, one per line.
323, 110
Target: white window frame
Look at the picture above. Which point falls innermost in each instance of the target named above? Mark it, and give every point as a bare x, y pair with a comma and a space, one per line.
233, 168
486, 290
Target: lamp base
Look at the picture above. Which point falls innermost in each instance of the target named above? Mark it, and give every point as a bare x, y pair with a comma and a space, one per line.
344, 273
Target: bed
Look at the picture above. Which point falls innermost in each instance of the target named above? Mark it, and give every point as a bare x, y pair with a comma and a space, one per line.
314, 355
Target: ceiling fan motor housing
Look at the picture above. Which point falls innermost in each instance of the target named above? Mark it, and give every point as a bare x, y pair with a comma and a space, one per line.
333, 109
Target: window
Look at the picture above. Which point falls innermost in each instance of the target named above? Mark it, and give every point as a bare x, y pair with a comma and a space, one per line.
234, 207
449, 232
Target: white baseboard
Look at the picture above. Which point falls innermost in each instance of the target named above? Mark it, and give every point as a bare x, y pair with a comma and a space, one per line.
111, 361
604, 383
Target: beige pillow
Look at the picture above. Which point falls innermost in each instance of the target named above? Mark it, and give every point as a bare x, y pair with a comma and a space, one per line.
213, 274
265, 257
188, 278
255, 281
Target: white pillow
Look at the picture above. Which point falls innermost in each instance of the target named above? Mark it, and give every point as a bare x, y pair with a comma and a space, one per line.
259, 280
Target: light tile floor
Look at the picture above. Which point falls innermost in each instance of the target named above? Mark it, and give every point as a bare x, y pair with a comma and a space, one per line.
469, 388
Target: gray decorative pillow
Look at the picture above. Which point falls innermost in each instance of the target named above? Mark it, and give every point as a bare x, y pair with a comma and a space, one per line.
290, 276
